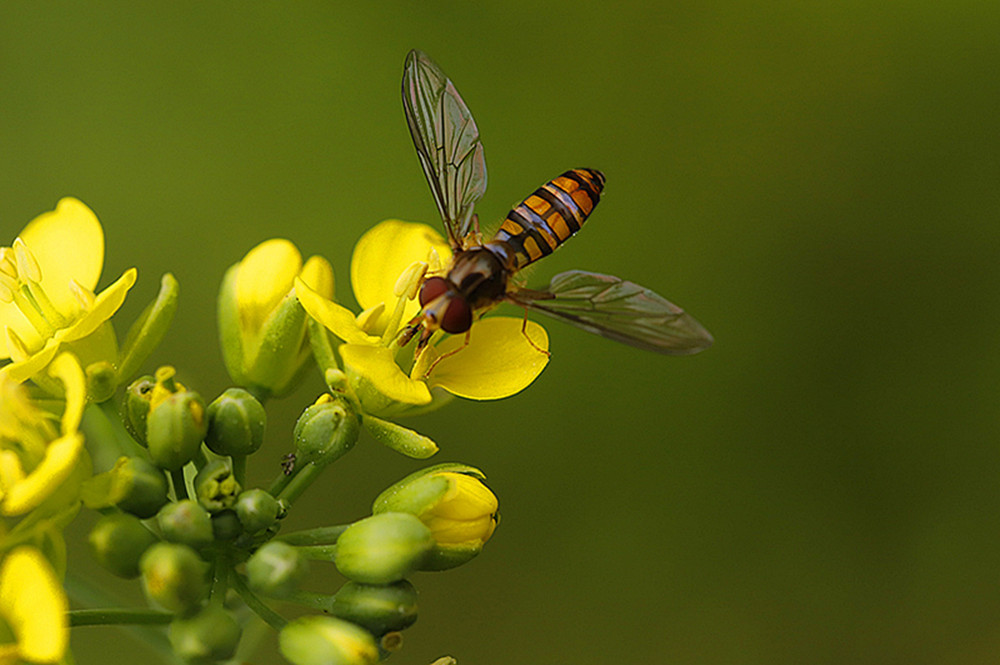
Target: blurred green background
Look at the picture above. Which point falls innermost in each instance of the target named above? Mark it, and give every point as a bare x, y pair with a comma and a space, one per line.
816, 182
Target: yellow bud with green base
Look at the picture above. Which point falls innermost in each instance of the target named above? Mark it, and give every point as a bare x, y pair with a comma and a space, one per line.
321, 640
455, 504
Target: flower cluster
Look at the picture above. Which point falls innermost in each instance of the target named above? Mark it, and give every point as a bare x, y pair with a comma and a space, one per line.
165, 469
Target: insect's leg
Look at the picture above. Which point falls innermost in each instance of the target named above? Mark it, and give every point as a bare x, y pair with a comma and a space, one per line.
430, 369
524, 331
477, 236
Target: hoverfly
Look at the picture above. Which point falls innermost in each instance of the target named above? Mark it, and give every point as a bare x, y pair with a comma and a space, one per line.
447, 142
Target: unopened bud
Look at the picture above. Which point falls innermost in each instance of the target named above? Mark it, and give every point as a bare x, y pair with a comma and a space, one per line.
257, 510
276, 569
144, 487
379, 608
316, 640
186, 522
175, 429
174, 577
118, 541
235, 423
136, 407
325, 431
383, 548
209, 636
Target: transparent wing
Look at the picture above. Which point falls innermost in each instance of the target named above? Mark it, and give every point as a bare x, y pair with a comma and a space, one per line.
619, 310
447, 142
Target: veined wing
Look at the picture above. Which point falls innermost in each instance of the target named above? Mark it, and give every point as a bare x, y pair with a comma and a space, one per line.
619, 310
447, 142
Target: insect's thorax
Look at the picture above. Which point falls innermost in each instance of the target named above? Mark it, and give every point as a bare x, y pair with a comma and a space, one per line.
480, 275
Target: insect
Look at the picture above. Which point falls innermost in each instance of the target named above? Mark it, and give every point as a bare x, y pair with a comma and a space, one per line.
480, 275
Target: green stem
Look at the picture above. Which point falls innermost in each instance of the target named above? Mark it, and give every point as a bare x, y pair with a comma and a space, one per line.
314, 601
279, 484
220, 581
324, 535
272, 618
240, 469
106, 437
180, 486
118, 616
300, 482
318, 552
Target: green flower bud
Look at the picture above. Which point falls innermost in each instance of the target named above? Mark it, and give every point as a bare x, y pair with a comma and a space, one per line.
235, 423
226, 525
276, 569
325, 431
174, 577
207, 637
102, 381
132, 484
186, 522
136, 407
175, 428
383, 548
118, 541
144, 486
453, 501
320, 640
379, 608
257, 510
216, 487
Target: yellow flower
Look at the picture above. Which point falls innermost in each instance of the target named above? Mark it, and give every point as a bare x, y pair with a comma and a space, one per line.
387, 268
47, 281
37, 457
34, 606
262, 327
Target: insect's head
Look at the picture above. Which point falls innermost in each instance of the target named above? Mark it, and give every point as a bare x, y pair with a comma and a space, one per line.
444, 307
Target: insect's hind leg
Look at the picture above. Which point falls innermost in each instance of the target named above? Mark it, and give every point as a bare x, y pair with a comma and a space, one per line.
524, 331
430, 369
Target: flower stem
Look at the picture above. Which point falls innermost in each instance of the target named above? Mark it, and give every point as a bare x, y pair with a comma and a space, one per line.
118, 616
312, 600
300, 482
324, 535
318, 552
272, 618
180, 486
240, 469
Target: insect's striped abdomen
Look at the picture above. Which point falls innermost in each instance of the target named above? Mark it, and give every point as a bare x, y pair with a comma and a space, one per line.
547, 218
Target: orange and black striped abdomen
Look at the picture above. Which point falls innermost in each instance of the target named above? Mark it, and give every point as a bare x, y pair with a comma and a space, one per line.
547, 218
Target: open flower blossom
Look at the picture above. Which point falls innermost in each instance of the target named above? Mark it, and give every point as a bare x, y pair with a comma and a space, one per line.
387, 268
38, 456
262, 327
47, 281
33, 605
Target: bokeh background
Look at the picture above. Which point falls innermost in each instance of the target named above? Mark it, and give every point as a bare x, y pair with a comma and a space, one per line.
817, 182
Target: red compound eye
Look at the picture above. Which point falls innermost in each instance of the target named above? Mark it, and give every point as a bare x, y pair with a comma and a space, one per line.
457, 316
432, 289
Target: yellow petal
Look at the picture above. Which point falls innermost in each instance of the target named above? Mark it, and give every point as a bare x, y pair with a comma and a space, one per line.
11, 317
34, 605
67, 369
25, 369
68, 244
46, 478
498, 362
381, 256
318, 274
106, 304
338, 320
374, 368
265, 277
